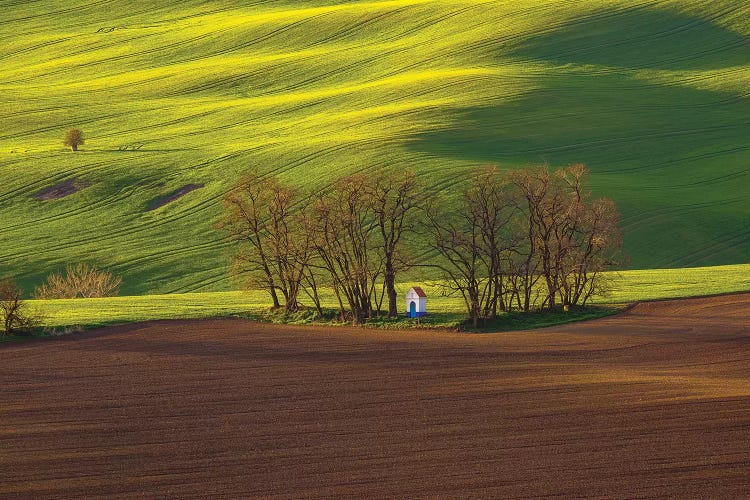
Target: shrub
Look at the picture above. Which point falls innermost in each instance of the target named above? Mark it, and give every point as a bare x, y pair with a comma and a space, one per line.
13, 312
79, 281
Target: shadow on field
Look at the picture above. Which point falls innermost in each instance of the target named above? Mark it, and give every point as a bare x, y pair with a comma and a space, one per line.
686, 144
641, 38
612, 123
581, 113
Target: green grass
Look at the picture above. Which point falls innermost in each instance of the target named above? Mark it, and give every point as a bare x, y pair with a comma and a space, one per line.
632, 286
532, 320
36, 334
651, 95
444, 312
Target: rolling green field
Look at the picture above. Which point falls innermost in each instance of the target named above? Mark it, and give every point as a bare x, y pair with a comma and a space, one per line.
651, 95
627, 287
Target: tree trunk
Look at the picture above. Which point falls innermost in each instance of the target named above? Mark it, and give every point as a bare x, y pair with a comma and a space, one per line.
390, 286
275, 298
358, 316
319, 309
475, 307
74, 147
551, 289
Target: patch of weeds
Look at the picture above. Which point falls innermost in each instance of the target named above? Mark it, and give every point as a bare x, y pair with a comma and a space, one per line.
452, 321
63, 330
333, 317
442, 321
303, 316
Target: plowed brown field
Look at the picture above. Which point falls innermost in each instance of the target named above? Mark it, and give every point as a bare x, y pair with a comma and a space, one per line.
653, 402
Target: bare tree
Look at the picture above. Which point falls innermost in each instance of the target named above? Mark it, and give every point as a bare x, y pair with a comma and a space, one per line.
395, 198
493, 207
245, 220
523, 264
457, 239
571, 238
344, 231
477, 241
79, 281
74, 138
290, 246
259, 214
547, 206
596, 248
15, 316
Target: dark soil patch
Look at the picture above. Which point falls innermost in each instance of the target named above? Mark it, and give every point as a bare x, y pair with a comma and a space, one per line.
61, 189
163, 200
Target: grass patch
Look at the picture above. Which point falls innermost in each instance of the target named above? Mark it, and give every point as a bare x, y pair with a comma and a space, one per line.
18, 338
529, 321
332, 317
435, 320
444, 312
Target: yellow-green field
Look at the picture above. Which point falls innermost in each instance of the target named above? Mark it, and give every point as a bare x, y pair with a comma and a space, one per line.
627, 287
651, 95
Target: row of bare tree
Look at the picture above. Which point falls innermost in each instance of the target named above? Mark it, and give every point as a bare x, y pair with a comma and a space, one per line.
525, 239
348, 237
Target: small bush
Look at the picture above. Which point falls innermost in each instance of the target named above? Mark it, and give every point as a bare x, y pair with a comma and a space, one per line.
63, 330
15, 316
79, 281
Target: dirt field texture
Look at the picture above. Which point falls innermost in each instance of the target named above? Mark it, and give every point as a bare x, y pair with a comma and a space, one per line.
654, 402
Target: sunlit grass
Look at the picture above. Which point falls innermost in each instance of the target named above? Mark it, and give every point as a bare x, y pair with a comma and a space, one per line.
445, 311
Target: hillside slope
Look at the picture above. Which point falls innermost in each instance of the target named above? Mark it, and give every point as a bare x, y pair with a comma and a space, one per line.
651, 95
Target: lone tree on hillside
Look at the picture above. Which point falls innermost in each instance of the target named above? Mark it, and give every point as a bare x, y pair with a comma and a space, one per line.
74, 138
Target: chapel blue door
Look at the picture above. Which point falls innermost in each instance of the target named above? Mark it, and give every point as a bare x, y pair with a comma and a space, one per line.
413, 309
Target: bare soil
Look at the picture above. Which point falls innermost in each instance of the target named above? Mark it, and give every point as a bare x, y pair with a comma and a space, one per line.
651, 403
174, 195
61, 189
